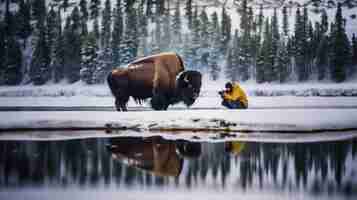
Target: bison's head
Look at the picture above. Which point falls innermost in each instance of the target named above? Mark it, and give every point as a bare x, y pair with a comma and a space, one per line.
189, 86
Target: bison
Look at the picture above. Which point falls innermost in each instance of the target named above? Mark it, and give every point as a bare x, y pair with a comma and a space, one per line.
161, 77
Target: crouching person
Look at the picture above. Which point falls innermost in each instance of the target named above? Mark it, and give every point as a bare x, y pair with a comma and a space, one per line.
234, 97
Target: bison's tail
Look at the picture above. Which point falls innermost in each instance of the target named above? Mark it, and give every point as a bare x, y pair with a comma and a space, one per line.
112, 84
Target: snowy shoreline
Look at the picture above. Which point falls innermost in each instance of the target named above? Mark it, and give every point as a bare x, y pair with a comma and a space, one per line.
209, 88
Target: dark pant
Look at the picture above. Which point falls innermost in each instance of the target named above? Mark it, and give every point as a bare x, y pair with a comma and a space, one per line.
233, 104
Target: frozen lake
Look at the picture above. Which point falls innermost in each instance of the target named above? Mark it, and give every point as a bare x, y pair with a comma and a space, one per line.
155, 168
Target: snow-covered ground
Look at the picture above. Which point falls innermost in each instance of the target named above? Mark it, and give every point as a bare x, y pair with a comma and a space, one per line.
273, 111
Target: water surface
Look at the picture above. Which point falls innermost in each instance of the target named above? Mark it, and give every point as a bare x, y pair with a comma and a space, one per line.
155, 168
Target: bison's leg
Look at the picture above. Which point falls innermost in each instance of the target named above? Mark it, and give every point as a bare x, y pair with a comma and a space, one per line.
159, 102
120, 103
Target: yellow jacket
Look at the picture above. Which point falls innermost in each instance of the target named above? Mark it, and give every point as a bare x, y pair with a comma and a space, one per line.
236, 94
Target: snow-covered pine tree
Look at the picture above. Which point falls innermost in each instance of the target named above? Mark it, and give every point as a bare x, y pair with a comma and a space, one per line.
229, 68
213, 58
83, 8
204, 39
72, 47
234, 59
117, 33
300, 41
268, 71
204, 22
89, 59
194, 47
285, 22
129, 47
214, 54
341, 52
12, 62
65, 5
282, 63
166, 30
275, 39
52, 24
11, 50
2, 52
225, 30
143, 48
259, 74
260, 21
177, 28
39, 12
104, 65
106, 24
23, 21
94, 15
58, 50
188, 13
322, 57
40, 71
354, 53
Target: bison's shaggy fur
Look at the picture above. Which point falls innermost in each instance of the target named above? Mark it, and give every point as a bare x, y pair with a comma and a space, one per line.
160, 77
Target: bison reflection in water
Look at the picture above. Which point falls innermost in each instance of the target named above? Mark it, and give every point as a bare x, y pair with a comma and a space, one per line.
161, 77
154, 154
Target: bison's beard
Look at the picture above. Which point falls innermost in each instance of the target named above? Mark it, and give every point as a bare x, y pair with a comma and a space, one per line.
188, 101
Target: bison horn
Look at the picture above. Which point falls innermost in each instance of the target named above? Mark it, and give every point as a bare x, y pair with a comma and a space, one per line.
185, 79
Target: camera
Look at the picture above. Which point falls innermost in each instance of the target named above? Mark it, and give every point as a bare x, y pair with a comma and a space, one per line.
221, 92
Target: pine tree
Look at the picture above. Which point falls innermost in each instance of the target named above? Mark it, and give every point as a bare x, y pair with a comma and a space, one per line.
322, 58
51, 29
166, 29
10, 50
143, 48
58, 50
129, 47
214, 29
260, 20
72, 47
94, 14
2, 52
39, 12
204, 29
238, 68
285, 22
104, 66
23, 18
229, 68
324, 22
106, 24
188, 13
268, 71
354, 53
275, 36
177, 27
83, 7
225, 30
65, 5
195, 41
117, 33
213, 59
282, 63
300, 45
94, 8
40, 71
12, 62
341, 53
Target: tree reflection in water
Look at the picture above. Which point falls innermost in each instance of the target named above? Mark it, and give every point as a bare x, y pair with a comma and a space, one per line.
155, 162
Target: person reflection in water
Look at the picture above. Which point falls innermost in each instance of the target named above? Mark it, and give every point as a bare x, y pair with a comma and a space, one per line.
154, 154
